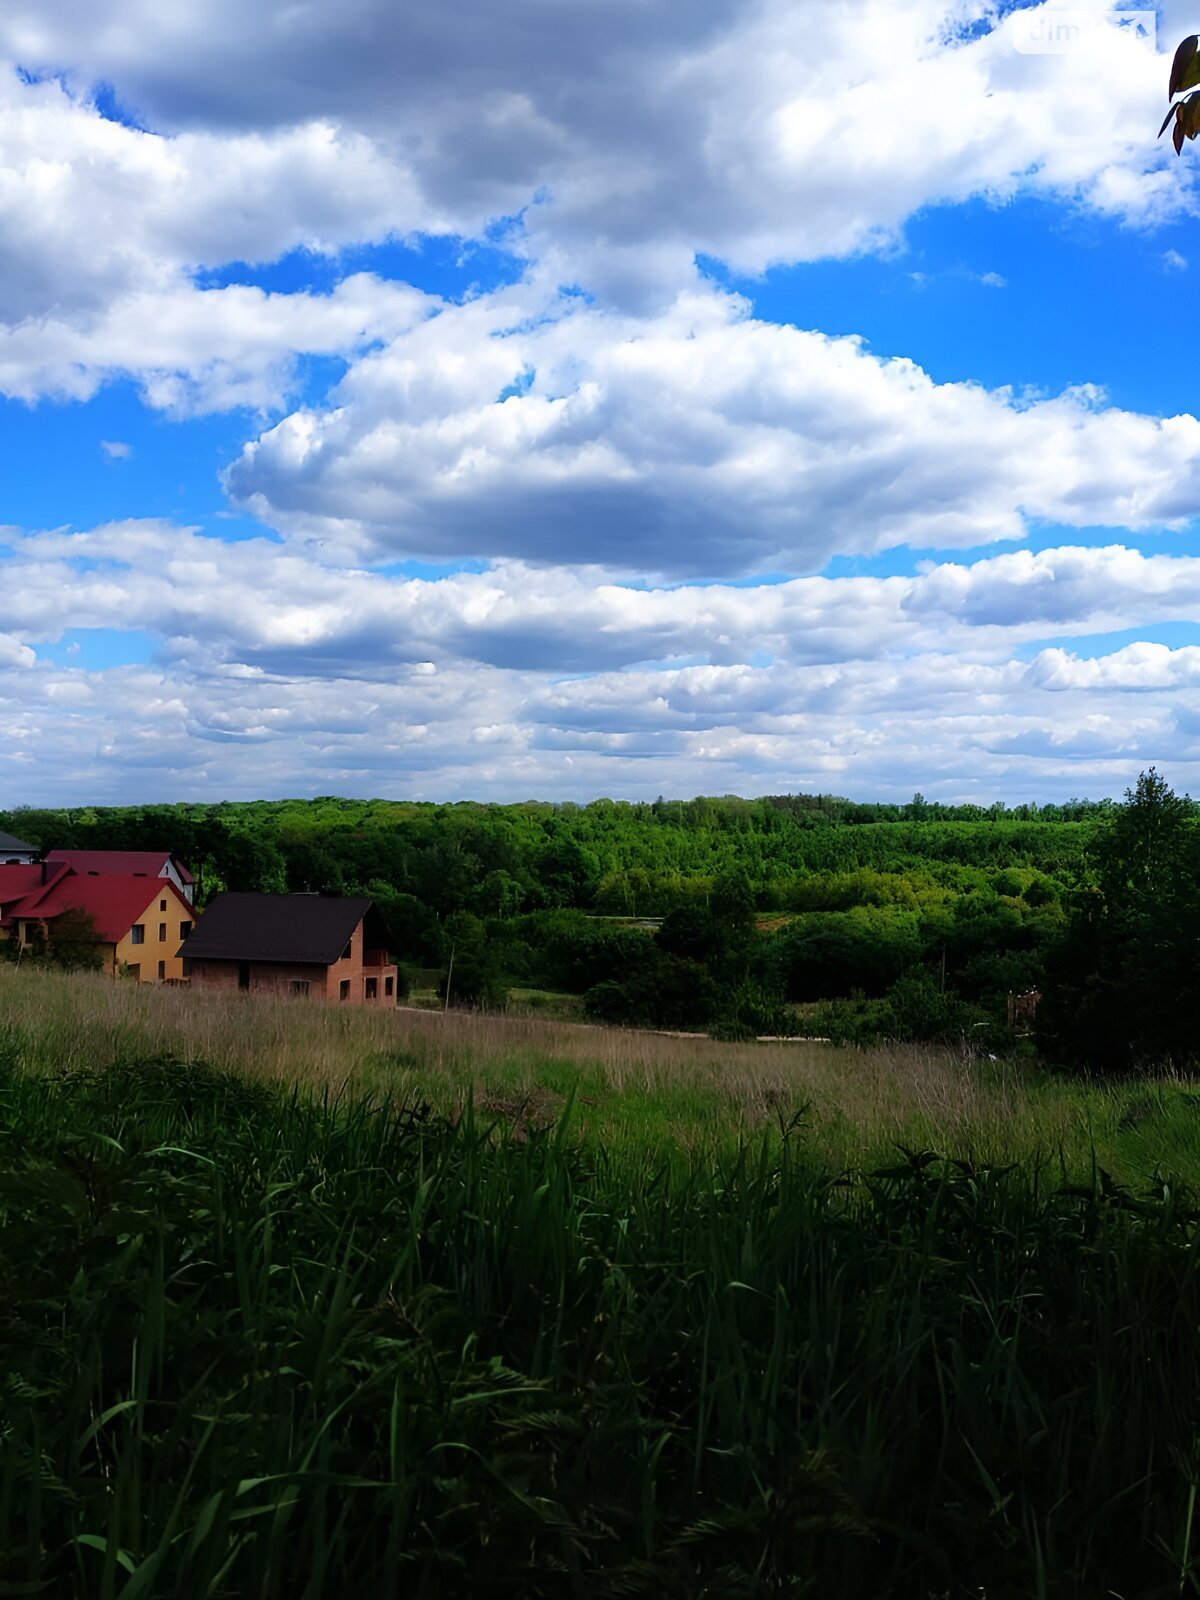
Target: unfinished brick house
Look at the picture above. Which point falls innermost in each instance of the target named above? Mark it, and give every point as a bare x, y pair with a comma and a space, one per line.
309, 946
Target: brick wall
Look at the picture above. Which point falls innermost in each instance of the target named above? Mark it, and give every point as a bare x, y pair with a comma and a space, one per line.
359, 977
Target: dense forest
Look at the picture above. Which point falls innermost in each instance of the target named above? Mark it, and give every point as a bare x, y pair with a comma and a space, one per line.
787, 914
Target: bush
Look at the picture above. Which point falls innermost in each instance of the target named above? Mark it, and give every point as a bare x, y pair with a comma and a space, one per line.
473, 980
915, 1007
665, 993
750, 1010
568, 950
823, 954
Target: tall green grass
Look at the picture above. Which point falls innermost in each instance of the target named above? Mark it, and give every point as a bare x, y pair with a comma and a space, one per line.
635, 1093
258, 1342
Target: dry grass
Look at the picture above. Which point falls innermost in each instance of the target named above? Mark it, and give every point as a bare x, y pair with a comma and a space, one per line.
629, 1086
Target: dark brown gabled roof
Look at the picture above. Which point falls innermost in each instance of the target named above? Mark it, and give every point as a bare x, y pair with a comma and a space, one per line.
308, 928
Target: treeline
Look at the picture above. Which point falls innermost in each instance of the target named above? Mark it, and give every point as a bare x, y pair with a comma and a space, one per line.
781, 915
786, 914
610, 858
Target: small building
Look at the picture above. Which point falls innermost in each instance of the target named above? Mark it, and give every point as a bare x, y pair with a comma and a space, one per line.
126, 864
314, 946
139, 922
16, 853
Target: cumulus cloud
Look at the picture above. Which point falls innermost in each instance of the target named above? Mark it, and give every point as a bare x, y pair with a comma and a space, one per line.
92, 211
488, 734
649, 130
517, 681
613, 414
626, 141
193, 350
697, 442
257, 607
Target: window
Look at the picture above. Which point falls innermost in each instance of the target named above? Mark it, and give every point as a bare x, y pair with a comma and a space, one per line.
134, 971
243, 974
372, 988
137, 934
162, 970
298, 986
184, 929
348, 951
344, 989
162, 933
162, 905
387, 985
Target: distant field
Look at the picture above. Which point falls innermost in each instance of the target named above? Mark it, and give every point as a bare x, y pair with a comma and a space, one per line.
630, 1089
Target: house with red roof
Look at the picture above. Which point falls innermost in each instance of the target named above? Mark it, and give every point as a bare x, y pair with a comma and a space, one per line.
16, 882
126, 864
140, 920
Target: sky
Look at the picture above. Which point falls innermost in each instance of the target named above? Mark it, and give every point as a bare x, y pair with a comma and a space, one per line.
595, 397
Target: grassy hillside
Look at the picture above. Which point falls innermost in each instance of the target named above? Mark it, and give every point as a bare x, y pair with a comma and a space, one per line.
629, 1089
291, 1340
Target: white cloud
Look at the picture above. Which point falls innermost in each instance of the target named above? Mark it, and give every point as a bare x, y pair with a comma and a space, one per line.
1174, 262
92, 212
1139, 666
277, 671
759, 133
698, 442
629, 137
260, 608
650, 426
116, 449
200, 350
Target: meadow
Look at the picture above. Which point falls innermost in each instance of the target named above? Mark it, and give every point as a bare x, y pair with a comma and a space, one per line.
294, 1298
649, 1093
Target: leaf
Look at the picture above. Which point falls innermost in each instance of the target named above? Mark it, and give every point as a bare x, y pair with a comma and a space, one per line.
1187, 120
95, 1541
102, 1421
1185, 68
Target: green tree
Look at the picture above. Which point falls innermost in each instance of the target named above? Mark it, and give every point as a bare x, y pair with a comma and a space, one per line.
1121, 987
74, 943
472, 976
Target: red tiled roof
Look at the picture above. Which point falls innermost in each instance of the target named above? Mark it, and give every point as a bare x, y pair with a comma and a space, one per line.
114, 904
120, 863
16, 882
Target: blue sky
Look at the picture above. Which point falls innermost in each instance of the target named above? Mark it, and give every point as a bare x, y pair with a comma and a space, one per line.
674, 403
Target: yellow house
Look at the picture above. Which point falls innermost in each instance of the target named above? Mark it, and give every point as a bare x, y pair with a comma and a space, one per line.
140, 922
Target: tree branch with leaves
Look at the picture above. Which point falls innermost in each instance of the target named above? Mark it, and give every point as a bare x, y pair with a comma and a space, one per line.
1185, 74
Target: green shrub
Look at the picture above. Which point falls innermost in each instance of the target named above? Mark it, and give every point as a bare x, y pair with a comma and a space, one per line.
916, 1007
